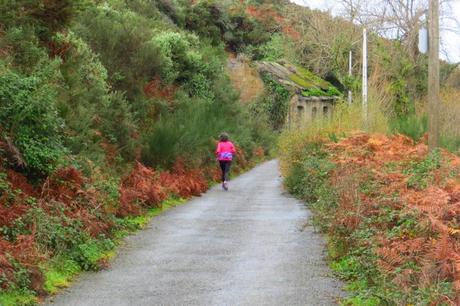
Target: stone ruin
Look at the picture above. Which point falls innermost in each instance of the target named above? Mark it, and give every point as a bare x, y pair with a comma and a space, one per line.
312, 97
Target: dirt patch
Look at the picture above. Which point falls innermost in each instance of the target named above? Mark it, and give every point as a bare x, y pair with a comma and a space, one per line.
266, 14
245, 78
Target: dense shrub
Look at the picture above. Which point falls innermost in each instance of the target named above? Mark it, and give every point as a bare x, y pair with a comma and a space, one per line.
83, 91
191, 132
24, 50
411, 126
175, 49
29, 117
235, 27
86, 102
244, 31
118, 124
272, 50
46, 17
172, 9
207, 19
122, 39
309, 175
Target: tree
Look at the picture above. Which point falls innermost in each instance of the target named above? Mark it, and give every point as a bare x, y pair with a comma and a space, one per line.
47, 16
399, 19
325, 41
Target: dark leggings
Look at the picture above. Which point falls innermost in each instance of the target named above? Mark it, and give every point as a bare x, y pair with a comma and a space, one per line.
225, 167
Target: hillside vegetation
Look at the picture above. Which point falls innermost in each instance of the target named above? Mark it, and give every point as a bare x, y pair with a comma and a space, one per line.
108, 110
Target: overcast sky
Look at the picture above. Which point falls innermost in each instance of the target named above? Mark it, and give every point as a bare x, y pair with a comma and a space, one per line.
450, 41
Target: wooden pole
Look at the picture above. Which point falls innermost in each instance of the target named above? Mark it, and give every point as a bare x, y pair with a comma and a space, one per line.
433, 75
350, 73
365, 106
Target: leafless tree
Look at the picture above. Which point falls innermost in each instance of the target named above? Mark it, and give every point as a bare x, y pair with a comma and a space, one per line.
400, 19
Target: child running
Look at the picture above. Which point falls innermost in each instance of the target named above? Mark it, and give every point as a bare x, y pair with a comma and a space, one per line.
225, 152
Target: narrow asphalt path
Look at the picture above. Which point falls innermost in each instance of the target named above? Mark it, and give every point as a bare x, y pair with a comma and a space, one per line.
248, 246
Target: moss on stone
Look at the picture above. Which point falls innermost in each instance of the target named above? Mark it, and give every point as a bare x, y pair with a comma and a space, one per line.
331, 91
309, 78
301, 81
298, 79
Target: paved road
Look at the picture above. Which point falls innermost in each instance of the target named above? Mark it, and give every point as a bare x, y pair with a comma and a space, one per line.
248, 246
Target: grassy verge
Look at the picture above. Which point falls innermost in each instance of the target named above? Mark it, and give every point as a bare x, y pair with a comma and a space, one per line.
17, 298
387, 208
62, 269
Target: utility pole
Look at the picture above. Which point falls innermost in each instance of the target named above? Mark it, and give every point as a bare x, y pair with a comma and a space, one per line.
433, 75
350, 73
365, 106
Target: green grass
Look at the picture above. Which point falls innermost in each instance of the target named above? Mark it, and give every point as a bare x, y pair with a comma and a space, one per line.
132, 224
61, 270
415, 127
59, 273
412, 126
17, 298
451, 143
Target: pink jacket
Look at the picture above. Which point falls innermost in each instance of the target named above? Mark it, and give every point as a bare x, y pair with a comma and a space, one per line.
225, 150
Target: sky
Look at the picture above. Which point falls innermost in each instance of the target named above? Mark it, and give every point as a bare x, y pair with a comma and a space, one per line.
450, 42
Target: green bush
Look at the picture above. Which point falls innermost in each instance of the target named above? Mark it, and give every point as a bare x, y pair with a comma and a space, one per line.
234, 27
190, 133
89, 253
172, 9
174, 48
118, 124
91, 111
207, 19
307, 178
273, 50
186, 62
244, 31
29, 117
25, 54
45, 16
51, 234
412, 126
83, 92
122, 39
61, 235
191, 130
